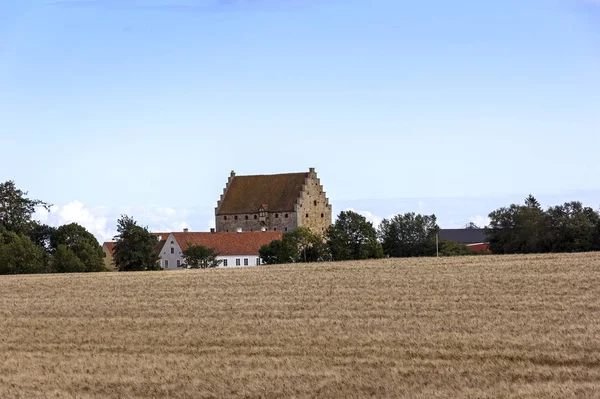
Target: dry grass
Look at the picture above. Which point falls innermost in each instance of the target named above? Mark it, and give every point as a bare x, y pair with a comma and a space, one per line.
518, 326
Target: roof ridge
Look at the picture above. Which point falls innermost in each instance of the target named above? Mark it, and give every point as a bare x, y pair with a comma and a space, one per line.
275, 174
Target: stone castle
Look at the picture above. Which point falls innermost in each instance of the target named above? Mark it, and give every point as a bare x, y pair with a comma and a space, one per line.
278, 202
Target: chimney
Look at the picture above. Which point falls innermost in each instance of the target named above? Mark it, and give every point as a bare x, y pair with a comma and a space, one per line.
186, 230
159, 238
311, 170
232, 173
212, 230
239, 230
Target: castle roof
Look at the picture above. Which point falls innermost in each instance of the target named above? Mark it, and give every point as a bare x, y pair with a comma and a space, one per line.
246, 194
228, 244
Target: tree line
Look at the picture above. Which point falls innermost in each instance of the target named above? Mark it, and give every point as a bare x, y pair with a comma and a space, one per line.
529, 228
353, 237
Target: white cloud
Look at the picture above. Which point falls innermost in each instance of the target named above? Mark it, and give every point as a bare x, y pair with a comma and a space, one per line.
102, 221
75, 212
376, 220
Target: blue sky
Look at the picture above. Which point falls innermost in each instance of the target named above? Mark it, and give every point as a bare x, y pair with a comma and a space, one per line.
446, 107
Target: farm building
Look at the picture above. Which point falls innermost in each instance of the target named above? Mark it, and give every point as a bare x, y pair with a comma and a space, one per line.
109, 249
234, 249
279, 202
472, 238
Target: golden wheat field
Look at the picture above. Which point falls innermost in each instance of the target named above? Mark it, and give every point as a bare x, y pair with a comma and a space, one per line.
514, 326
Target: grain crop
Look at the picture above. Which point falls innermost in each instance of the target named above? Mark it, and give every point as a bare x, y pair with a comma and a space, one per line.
484, 326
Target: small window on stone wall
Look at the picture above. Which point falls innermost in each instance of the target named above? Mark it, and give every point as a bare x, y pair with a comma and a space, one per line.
224, 217
235, 217
246, 217
285, 216
255, 217
322, 215
307, 215
315, 202
276, 216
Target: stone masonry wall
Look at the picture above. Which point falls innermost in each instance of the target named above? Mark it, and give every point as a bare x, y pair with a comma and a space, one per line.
313, 208
276, 221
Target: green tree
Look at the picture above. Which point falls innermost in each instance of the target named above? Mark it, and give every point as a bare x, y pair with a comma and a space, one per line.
64, 260
135, 247
517, 228
596, 237
353, 237
200, 257
299, 245
531, 226
502, 233
571, 227
41, 234
409, 235
276, 252
306, 246
20, 255
82, 243
16, 209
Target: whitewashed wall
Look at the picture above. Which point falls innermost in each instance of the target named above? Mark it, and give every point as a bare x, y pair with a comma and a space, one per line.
171, 258
253, 260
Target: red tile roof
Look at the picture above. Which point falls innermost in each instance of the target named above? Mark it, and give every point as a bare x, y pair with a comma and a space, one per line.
110, 245
227, 244
246, 194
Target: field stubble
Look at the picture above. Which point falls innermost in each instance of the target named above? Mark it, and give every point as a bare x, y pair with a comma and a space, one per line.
513, 326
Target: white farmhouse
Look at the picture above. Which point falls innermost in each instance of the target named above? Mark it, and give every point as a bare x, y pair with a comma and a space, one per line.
234, 249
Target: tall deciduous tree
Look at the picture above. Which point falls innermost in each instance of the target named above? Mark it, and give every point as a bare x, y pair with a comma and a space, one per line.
306, 246
135, 247
517, 228
409, 235
64, 260
19, 255
16, 209
352, 236
82, 243
41, 234
200, 257
276, 252
571, 227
